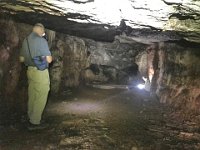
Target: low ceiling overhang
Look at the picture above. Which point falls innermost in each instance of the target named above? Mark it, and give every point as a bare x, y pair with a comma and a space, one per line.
141, 20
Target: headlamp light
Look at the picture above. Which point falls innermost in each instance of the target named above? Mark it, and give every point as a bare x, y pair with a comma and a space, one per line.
140, 86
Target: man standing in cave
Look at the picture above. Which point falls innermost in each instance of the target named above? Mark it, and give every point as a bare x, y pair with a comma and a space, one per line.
39, 83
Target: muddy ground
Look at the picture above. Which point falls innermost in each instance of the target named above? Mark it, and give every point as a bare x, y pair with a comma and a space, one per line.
99, 119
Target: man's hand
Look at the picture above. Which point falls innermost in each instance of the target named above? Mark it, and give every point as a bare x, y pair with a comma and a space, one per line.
21, 59
49, 59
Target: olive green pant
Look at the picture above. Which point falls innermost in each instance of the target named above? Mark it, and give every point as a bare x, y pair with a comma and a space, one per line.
38, 90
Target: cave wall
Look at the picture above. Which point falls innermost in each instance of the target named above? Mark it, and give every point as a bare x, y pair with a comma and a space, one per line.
177, 77
9, 66
79, 61
70, 58
173, 68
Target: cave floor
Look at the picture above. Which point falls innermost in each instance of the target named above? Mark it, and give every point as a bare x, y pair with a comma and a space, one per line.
99, 119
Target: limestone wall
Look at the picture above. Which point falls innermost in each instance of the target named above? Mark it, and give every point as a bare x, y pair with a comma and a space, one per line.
178, 80
79, 61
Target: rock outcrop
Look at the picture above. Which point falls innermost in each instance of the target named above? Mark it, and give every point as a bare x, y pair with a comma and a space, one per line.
178, 77
97, 20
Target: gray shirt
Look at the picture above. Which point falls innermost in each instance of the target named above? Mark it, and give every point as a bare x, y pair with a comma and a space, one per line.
38, 47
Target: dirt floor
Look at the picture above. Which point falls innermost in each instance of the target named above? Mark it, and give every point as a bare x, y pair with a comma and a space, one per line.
99, 119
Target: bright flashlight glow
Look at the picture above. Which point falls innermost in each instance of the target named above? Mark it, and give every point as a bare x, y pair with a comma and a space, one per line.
140, 86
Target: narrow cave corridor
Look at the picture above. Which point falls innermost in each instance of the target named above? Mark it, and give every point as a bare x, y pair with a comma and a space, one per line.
117, 81
93, 118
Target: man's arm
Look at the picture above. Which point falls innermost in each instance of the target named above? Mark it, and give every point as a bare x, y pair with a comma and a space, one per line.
44, 49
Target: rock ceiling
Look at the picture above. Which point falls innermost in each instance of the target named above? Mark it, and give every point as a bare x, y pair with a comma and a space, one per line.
144, 21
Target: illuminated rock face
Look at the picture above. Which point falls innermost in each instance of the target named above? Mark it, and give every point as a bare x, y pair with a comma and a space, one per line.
179, 77
176, 75
80, 60
99, 19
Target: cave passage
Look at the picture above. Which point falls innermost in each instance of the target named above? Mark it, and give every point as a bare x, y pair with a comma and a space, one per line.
92, 118
104, 95
124, 76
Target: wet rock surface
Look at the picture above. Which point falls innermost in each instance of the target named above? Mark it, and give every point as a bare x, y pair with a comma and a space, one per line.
91, 118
